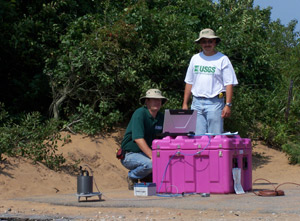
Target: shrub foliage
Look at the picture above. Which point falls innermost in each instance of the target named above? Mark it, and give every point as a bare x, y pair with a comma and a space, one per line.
86, 63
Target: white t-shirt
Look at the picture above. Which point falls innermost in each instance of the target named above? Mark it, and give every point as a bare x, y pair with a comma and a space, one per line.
210, 75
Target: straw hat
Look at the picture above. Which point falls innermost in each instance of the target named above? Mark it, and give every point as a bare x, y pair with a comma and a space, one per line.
207, 33
153, 93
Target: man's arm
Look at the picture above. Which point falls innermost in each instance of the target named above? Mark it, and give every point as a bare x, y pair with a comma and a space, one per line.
226, 112
144, 147
186, 96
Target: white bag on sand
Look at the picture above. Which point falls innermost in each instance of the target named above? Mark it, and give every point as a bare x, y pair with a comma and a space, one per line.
236, 172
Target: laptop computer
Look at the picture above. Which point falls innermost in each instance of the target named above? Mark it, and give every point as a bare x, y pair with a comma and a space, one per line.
178, 122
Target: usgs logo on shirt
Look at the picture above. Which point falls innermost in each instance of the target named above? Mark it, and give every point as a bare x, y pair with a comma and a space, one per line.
199, 69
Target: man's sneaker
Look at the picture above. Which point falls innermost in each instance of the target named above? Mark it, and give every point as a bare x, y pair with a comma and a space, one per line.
131, 182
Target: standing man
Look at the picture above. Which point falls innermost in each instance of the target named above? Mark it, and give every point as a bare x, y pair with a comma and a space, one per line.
146, 122
209, 77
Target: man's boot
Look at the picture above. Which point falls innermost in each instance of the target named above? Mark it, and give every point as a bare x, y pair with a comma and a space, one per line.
131, 182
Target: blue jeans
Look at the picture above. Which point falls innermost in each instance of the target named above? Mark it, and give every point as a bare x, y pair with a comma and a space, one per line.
209, 119
138, 164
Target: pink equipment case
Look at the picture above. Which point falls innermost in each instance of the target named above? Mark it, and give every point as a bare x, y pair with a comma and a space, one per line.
201, 164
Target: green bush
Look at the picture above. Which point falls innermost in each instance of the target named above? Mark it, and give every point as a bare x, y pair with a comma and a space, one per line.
293, 151
247, 111
91, 122
94, 59
32, 138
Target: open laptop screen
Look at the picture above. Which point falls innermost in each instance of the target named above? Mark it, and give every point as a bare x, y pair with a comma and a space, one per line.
180, 122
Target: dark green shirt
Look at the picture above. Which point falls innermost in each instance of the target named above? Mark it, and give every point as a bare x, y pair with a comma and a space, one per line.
142, 125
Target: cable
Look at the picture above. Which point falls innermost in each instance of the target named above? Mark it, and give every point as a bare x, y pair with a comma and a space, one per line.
92, 175
162, 180
178, 153
274, 192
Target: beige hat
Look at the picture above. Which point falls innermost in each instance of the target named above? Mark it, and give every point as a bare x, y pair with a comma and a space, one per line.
207, 33
153, 93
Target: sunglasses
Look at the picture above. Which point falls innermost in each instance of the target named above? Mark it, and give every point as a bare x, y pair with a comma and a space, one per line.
207, 41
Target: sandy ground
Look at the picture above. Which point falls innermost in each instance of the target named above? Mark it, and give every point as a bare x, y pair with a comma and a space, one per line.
19, 178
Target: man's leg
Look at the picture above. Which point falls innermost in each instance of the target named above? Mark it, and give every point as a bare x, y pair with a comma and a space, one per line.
214, 118
139, 166
201, 125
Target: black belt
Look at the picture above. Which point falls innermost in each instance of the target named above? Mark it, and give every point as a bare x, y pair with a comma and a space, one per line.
221, 95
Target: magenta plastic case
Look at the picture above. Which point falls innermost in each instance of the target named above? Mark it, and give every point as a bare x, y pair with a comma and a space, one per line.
201, 164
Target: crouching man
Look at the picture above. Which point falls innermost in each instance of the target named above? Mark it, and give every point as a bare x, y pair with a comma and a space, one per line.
146, 122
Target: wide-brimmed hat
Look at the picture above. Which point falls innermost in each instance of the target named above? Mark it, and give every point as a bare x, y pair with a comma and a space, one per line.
153, 93
207, 33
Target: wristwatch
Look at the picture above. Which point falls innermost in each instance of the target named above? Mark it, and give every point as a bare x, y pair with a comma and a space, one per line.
229, 104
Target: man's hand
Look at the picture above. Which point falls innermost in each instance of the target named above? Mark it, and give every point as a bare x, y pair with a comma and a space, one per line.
184, 107
186, 96
226, 112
